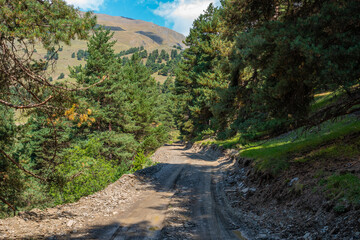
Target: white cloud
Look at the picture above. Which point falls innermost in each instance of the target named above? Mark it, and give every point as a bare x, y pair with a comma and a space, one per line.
86, 4
182, 13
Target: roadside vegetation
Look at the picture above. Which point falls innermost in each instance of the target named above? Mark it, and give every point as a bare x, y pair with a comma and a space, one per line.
277, 81
62, 141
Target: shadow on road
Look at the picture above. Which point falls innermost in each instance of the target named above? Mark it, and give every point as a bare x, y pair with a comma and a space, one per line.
186, 212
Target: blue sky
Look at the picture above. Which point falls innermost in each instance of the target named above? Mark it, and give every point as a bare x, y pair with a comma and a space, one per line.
175, 14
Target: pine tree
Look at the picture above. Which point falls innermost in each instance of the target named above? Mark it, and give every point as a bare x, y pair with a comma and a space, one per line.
200, 77
285, 53
24, 24
11, 181
20, 26
124, 104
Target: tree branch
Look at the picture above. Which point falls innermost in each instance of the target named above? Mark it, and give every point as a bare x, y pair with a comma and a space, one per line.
25, 106
21, 167
9, 204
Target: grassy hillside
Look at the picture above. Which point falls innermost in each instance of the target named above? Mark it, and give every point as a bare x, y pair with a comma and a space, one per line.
128, 33
324, 158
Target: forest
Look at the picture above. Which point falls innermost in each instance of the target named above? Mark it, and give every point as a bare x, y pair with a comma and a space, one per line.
251, 72
76, 138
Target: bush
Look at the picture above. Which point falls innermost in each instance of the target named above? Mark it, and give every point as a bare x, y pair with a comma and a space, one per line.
140, 162
82, 173
62, 75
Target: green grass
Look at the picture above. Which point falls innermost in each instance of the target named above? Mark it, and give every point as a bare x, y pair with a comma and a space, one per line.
342, 188
276, 154
336, 150
320, 142
324, 99
226, 144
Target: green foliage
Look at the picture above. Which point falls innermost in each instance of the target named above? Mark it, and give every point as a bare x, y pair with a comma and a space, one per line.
140, 162
74, 154
279, 63
156, 62
254, 67
81, 54
11, 180
199, 77
132, 50
344, 189
61, 76
82, 172
130, 110
205, 134
275, 154
52, 55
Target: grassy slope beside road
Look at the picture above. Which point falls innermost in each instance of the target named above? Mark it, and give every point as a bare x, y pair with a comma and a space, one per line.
325, 156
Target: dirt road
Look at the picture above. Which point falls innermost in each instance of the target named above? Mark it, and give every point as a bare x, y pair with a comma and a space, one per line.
183, 202
182, 197
196, 193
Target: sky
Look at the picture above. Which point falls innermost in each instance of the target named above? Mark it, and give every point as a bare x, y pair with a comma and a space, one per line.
174, 14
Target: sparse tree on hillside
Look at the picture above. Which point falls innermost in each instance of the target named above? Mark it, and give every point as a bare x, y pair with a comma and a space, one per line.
61, 76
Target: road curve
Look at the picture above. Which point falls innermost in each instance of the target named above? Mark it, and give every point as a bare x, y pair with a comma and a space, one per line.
185, 201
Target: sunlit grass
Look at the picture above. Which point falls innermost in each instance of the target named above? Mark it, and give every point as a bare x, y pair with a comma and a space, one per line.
323, 99
227, 144
20, 117
276, 154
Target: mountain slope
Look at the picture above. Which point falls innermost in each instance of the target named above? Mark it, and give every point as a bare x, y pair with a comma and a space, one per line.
135, 33
127, 32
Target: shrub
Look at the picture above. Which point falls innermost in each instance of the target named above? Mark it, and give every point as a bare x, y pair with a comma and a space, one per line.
62, 75
82, 173
140, 161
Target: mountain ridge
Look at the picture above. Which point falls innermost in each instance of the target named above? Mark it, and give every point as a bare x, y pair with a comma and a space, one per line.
128, 33
138, 33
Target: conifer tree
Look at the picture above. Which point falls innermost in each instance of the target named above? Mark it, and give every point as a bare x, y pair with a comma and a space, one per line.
11, 184
23, 83
200, 75
24, 24
284, 54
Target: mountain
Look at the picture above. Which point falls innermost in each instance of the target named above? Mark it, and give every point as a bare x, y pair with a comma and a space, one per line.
127, 32
135, 33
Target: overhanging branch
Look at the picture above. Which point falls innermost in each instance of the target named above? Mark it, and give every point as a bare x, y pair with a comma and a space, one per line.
21, 167
25, 106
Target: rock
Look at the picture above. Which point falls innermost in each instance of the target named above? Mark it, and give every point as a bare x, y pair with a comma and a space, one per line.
262, 236
334, 231
70, 223
293, 181
324, 229
357, 234
245, 190
307, 236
